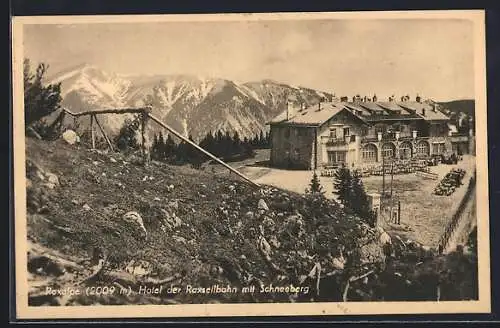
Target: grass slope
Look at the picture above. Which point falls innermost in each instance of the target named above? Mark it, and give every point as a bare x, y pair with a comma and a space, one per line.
217, 241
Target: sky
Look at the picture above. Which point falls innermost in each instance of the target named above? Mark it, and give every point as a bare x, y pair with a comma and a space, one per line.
432, 57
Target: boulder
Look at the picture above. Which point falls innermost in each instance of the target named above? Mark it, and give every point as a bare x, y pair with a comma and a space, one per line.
384, 237
135, 218
264, 246
262, 205
70, 137
338, 262
138, 268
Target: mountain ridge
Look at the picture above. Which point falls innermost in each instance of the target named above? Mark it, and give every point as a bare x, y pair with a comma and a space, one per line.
193, 105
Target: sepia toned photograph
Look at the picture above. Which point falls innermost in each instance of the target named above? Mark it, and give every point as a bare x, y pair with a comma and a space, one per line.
250, 164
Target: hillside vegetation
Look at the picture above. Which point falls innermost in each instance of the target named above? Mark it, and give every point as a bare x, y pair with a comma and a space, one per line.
193, 228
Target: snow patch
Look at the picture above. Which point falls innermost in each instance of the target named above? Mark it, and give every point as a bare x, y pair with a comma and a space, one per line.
250, 93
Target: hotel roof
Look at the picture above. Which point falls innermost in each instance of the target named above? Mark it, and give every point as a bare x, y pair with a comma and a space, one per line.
365, 111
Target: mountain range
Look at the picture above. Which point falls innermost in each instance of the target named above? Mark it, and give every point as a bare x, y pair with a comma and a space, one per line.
190, 104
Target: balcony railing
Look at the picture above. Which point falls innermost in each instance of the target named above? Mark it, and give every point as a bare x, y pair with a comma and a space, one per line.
340, 141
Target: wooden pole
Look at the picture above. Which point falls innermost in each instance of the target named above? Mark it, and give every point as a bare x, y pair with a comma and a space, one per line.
383, 173
177, 134
399, 212
143, 135
107, 111
103, 133
92, 130
392, 174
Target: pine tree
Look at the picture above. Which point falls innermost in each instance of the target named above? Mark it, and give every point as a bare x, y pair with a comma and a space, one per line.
161, 146
236, 144
181, 154
358, 197
39, 100
262, 140
154, 148
226, 145
169, 148
315, 187
127, 137
342, 186
218, 144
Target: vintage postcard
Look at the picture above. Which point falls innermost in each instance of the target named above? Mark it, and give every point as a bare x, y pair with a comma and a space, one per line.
250, 164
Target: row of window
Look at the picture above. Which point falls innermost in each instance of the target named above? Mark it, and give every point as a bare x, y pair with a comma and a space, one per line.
369, 152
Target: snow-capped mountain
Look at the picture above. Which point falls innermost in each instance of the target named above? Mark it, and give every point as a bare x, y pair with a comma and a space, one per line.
192, 105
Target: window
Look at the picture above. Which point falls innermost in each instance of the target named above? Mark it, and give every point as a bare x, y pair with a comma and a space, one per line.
388, 150
405, 150
438, 148
423, 148
333, 133
379, 128
369, 153
336, 157
346, 132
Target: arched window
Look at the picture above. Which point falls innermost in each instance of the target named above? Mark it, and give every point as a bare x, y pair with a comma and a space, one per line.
405, 151
423, 148
388, 150
369, 153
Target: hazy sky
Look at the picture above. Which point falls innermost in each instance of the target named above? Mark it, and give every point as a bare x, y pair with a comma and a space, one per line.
431, 57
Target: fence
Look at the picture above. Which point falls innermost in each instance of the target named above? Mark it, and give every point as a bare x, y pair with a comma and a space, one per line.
145, 116
396, 167
455, 219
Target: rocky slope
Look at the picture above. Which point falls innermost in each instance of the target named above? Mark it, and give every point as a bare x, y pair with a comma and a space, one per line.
103, 219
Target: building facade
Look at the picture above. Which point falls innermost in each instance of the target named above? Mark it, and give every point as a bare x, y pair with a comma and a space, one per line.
363, 133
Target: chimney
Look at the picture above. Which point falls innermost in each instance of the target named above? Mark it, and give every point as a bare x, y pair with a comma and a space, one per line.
434, 107
418, 99
374, 98
423, 111
319, 106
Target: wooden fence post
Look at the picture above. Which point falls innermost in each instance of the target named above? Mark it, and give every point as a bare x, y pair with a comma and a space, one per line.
92, 130
103, 133
144, 119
